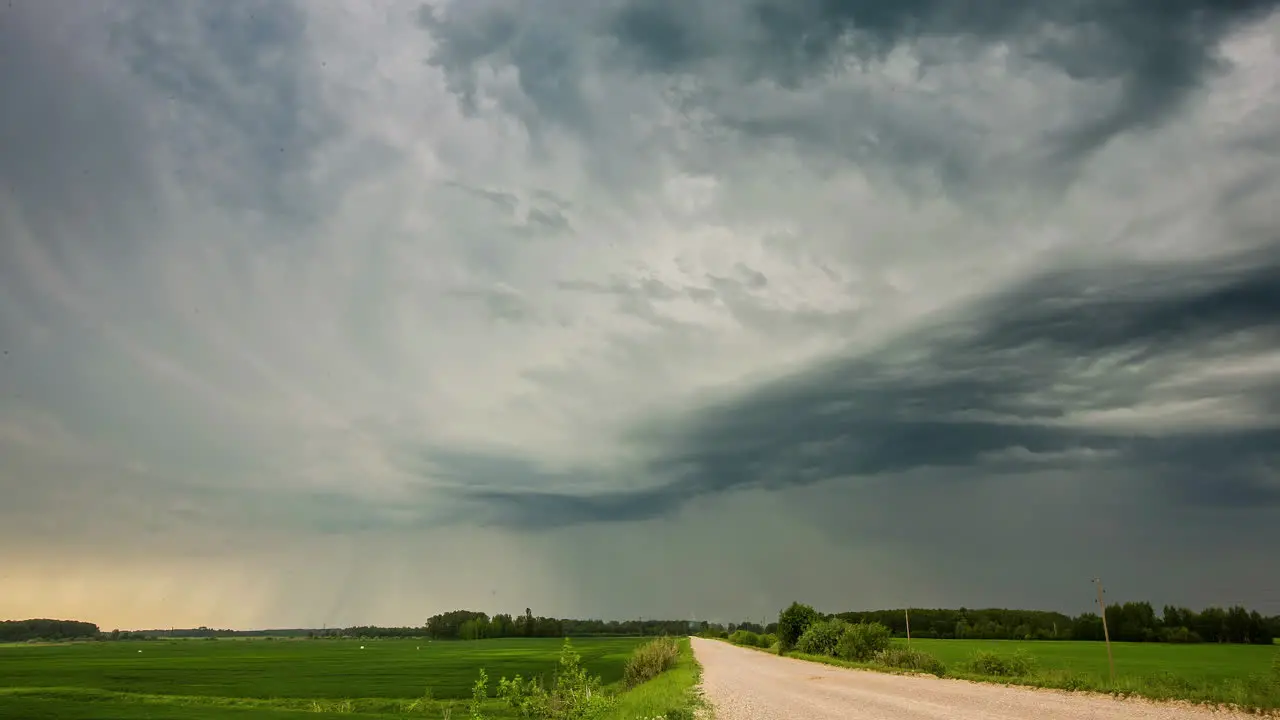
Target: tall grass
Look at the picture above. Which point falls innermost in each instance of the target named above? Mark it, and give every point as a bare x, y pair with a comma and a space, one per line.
907, 659
672, 695
650, 660
576, 695
1016, 664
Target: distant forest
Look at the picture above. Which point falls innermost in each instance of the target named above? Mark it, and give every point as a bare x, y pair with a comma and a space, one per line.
1127, 622
43, 629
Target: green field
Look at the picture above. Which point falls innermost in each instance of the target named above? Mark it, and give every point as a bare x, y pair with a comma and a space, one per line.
1201, 662
1243, 675
280, 679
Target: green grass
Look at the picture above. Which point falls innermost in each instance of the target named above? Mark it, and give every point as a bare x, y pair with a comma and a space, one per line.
259, 679
1240, 675
670, 695
1201, 661
331, 669
70, 704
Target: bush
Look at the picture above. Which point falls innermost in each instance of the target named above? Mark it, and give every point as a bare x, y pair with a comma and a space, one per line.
650, 660
1178, 635
768, 640
574, 695
792, 623
908, 659
1017, 664
821, 637
862, 641
1075, 683
745, 637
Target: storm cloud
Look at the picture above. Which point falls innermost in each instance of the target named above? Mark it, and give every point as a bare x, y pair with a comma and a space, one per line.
315, 313
1076, 369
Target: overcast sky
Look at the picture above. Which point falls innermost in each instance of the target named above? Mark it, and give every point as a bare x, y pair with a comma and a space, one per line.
350, 312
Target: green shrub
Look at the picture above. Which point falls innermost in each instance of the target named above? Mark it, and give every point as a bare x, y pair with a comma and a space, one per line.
1016, 664
527, 697
1075, 683
1179, 635
821, 637
574, 695
908, 659
745, 637
650, 660
479, 693
768, 640
861, 642
792, 623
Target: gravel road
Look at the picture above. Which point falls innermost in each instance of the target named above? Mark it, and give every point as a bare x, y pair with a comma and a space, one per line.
751, 685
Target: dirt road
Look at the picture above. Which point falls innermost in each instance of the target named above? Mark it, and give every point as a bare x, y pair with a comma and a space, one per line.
750, 685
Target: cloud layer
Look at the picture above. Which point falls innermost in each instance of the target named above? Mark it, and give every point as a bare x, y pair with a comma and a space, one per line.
622, 308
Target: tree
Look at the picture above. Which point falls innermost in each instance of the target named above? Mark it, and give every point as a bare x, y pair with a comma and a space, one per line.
1259, 630
46, 629
792, 623
1211, 625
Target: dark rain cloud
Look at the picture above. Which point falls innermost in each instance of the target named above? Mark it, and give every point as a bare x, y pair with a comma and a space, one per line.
1159, 51
767, 69
996, 388
239, 75
59, 150
538, 42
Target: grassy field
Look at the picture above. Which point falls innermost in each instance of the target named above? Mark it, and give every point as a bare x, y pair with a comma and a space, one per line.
1243, 675
1199, 662
280, 679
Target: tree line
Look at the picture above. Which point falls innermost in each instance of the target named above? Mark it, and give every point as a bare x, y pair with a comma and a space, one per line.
452, 625
1126, 622
46, 629
475, 625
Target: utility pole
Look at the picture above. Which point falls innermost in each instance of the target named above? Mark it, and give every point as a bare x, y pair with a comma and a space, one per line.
907, 614
1106, 634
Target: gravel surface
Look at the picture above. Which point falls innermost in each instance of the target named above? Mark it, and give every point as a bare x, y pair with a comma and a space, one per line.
746, 684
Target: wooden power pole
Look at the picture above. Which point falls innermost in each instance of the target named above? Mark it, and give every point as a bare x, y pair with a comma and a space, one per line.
1106, 634
906, 613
